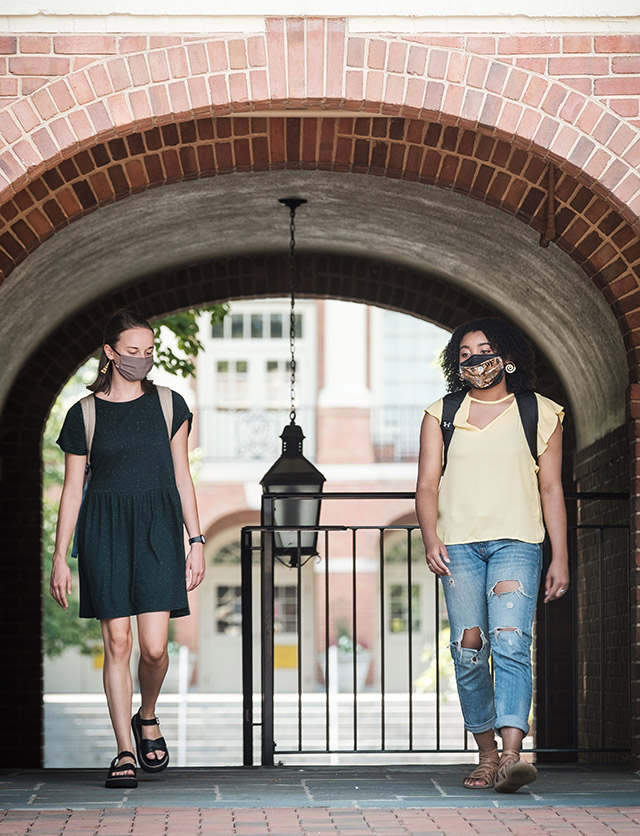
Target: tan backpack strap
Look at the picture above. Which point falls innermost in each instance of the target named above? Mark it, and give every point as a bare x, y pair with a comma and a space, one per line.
166, 402
88, 406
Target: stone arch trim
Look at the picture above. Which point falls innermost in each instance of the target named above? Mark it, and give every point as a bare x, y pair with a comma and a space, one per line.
380, 74
486, 168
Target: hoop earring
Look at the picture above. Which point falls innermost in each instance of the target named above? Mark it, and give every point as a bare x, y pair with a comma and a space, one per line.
105, 368
510, 367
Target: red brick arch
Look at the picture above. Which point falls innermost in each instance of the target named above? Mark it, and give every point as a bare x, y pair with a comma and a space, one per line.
380, 105
314, 65
486, 168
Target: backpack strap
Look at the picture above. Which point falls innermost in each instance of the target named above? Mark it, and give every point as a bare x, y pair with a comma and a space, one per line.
166, 402
88, 406
528, 407
450, 405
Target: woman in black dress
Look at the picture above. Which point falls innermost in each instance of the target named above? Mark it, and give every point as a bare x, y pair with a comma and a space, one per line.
130, 540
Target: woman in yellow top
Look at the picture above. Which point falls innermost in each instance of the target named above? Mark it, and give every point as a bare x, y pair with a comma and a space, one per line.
483, 522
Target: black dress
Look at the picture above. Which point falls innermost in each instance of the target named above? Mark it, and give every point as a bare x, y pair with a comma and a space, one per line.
131, 556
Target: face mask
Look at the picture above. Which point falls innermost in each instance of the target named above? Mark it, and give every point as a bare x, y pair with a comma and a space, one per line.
482, 371
134, 368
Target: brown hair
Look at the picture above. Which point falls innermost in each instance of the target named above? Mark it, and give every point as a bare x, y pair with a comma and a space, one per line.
121, 320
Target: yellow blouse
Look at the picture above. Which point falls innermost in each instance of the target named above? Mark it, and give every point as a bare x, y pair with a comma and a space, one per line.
489, 490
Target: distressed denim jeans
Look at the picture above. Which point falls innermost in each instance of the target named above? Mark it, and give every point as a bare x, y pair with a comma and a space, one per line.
472, 601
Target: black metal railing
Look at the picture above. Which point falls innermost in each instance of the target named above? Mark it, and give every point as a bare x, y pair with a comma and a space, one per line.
251, 434
246, 435
380, 719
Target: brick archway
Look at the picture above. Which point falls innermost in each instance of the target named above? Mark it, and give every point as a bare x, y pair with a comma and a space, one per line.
382, 106
311, 64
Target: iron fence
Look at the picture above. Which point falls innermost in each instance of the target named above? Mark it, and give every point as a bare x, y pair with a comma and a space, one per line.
408, 717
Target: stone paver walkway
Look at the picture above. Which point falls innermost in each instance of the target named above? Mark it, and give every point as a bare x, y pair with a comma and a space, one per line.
282, 821
319, 801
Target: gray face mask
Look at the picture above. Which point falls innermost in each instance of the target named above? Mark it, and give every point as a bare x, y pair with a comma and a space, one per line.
134, 368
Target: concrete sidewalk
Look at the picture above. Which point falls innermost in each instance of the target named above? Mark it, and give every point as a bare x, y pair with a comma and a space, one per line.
293, 801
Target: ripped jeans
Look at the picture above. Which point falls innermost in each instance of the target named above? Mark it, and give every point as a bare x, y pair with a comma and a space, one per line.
472, 601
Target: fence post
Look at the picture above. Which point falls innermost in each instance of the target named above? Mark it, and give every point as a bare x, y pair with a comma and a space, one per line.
266, 611
247, 646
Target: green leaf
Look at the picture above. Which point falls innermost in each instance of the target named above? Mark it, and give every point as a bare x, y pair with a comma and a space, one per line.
185, 329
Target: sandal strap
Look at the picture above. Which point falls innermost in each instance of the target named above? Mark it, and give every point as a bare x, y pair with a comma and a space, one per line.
154, 722
122, 767
124, 754
486, 768
148, 746
508, 758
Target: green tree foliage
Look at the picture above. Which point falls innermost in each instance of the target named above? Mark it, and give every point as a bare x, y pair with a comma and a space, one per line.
174, 352
184, 327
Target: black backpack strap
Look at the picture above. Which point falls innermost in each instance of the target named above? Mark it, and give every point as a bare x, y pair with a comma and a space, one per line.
450, 405
528, 407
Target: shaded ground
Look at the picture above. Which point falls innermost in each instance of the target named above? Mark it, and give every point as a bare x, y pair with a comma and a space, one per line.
317, 801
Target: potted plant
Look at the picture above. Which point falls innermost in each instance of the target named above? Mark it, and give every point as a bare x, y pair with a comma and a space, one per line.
344, 649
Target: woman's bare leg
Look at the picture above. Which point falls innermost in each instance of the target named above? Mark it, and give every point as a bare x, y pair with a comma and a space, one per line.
511, 738
116, 675
153, 637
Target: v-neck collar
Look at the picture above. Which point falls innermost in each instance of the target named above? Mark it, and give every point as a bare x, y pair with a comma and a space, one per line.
469, 400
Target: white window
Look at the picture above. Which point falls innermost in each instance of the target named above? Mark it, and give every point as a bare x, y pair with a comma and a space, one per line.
232, 383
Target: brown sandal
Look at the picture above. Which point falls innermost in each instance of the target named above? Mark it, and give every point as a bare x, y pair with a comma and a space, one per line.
513, 773
484, 771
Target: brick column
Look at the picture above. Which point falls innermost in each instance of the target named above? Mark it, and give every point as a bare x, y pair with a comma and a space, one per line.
634, 570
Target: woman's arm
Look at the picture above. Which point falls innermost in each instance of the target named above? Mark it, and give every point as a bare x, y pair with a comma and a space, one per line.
180, 454
429, 473
70, 501
555, 515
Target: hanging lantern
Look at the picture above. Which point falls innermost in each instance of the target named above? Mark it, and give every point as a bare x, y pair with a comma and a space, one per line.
292, 473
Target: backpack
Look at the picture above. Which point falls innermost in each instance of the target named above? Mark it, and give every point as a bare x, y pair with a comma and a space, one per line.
88, 406
527, 406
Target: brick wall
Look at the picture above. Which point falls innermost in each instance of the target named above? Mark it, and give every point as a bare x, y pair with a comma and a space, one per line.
602, 605
606, 67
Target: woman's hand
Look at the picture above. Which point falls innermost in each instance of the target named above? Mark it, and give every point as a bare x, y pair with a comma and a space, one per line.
195, 566
437, 557
60, 584
557, 580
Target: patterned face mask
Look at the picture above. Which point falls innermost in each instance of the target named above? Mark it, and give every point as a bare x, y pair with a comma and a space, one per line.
482, 371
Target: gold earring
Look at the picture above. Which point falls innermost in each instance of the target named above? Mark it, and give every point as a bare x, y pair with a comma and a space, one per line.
105, 368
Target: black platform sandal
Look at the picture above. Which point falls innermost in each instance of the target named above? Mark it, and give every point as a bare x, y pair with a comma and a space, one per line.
144, 747
125, 781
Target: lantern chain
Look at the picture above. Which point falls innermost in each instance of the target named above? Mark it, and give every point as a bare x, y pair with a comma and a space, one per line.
292, 204
292, 313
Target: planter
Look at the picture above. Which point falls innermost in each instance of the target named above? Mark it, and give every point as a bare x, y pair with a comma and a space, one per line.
345, 669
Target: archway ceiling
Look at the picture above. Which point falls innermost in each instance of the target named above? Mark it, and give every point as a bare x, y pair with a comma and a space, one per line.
474, 246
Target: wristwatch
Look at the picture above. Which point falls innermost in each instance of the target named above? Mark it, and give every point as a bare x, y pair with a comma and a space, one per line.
199, 538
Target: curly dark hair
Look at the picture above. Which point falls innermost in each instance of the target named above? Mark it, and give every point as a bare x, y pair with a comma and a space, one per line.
505, 339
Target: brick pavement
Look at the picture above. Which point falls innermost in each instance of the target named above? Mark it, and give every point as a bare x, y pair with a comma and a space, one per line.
385, 800
323, 821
